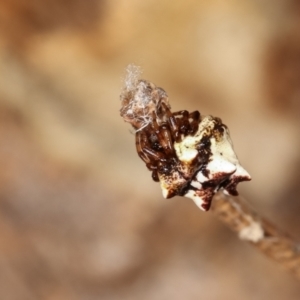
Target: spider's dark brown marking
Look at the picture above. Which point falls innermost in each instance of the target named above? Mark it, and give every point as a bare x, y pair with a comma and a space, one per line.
155, 142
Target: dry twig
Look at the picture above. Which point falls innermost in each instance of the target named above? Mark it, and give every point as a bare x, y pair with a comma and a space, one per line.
236, 213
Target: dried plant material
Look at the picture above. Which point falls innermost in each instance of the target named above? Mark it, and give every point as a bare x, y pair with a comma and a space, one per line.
236, 213
189, 154
140, 99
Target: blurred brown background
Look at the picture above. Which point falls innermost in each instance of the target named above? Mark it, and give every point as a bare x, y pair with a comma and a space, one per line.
80, 217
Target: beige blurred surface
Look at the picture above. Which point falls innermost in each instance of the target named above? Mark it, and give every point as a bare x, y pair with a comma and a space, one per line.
80, 217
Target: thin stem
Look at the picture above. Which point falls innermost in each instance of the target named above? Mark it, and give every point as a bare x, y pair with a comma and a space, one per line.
237, 214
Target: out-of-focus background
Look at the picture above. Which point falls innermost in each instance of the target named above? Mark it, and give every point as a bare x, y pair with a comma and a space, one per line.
80, 217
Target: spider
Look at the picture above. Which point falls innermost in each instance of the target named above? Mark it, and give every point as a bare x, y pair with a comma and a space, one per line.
155, 142
190, 155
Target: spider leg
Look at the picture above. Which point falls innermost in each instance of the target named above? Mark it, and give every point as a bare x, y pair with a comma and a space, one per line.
173, 124
195, 116
140, 142
145, 151
165, 139
182, 118
151, 166
153, 155
155, 176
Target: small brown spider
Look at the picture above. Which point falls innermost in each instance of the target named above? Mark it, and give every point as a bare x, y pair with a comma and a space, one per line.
190, 155
155, 142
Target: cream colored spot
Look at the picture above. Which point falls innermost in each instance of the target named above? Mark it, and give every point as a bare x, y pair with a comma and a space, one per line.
253, 233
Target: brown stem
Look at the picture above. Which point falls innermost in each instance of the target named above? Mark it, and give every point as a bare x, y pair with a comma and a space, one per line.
237, 214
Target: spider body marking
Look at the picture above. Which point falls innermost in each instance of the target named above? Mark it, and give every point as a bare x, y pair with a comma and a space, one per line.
155, 142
